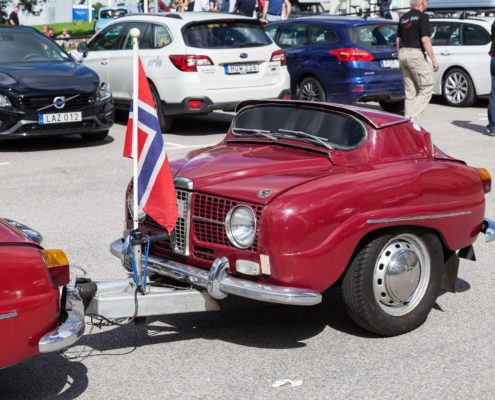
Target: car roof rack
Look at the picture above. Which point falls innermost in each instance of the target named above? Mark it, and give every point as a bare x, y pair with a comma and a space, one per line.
161, 14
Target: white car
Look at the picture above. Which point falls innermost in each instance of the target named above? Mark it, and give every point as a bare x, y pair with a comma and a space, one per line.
196, 62
461, 47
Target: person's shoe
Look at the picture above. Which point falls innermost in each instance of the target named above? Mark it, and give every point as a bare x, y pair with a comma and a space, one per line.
490, 133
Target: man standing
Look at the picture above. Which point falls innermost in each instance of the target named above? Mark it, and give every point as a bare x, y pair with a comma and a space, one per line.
245, 7
413, 41
490, 129
14, 17
274, 10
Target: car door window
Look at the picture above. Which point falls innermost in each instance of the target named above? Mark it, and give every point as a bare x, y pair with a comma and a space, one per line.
161, 36
322, 35
144, 37
292, 36
474, 35
445, 34
272, 31
107, 39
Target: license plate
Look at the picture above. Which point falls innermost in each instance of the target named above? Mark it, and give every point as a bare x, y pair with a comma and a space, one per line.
236, 69
389, 63
60, 118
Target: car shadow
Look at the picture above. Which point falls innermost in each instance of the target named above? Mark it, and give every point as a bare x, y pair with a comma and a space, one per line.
48, 376
470, 126
50, 143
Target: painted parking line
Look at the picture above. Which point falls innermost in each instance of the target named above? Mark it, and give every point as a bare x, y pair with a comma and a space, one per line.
2, 164
177, 146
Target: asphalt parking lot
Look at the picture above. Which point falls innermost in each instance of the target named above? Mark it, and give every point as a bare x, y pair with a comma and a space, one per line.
74, 194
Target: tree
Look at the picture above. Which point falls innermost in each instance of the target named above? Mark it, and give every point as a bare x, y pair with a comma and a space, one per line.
33, 7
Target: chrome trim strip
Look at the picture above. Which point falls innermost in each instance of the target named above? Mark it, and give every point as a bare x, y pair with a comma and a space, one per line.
71, 330
219, 283
8, 315
51, 105
418, 218
183, 183
211, 221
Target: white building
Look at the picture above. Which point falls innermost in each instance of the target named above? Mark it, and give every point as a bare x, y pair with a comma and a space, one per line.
53, 11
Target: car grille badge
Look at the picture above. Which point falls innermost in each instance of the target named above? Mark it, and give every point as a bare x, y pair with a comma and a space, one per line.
59, 102
263, 194
243, 55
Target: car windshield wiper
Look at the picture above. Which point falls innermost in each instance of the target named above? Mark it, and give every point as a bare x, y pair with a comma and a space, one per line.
257, 132
313, 138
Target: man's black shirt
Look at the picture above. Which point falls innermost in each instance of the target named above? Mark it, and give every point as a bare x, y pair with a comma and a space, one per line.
14, 17
246, 7
413, 25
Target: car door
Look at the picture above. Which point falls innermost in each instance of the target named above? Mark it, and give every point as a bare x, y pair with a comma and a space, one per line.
101, 48
292, 37
446, 42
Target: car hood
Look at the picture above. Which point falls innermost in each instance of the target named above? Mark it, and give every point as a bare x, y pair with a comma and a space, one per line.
52, 77
241, 171
9, 235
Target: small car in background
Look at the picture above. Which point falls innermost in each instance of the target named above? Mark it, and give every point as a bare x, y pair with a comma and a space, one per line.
108, 14
461, 47
196, 62
44, 91
306, 8
342, 59
39, 311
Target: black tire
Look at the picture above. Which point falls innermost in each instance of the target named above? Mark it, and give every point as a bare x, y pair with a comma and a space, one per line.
165, 121
371, 282
458, 88
395, 107
94, 137
310, 89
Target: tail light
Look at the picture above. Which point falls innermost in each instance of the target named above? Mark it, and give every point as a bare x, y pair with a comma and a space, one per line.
346, 54
189, 62
58, 266
279, 55
486, 179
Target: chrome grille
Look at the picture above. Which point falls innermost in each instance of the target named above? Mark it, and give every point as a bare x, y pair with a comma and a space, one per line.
179, 238
36, 102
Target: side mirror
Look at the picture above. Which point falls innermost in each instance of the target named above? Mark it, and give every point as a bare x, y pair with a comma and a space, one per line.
82, 48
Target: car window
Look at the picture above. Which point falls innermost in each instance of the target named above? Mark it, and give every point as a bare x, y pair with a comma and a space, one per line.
474, 35
107, 39
29, 47
374, 36
292, 35
144, 37
338, 129
271, 31
225, 35
113, 13
445, 34
161, 36
322, 35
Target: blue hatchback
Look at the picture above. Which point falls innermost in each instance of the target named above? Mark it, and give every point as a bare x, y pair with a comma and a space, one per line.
342, 59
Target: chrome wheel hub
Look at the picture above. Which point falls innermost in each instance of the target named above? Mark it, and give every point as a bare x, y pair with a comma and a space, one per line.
401, 275
456, 88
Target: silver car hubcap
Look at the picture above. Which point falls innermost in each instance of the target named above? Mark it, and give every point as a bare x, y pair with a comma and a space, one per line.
401, 275
456, 88
310, 91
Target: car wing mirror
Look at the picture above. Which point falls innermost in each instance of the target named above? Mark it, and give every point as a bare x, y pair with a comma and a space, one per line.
82, 48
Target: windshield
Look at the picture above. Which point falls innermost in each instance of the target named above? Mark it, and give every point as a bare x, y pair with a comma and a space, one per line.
225, 35
28, 47
331, 129
374, 36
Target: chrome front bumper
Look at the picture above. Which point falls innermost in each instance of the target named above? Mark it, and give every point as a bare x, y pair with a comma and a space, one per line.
218, 282
71, 330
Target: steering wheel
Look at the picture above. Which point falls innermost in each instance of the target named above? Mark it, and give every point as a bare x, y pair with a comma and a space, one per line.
30, 56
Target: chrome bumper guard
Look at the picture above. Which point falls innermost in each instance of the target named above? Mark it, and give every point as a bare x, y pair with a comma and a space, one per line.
219, 283
488, 228
71, 330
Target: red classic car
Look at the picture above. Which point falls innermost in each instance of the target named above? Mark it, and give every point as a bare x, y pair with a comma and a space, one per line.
299, 197
35, 315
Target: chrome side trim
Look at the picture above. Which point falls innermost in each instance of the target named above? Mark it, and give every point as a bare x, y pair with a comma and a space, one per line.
8, 315
488, 228
219, 283
71, 330
211, 221
418, 218
183, 183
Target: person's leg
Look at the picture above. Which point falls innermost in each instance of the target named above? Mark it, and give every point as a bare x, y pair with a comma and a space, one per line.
423, 76
410, 90
491, 101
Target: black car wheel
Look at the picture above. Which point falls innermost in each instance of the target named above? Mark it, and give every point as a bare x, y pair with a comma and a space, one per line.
394, 280
310, 89
94, 137
396, 107
165, 121
458, 88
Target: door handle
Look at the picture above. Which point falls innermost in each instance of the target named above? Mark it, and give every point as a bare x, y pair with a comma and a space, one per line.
104, 62
446, 53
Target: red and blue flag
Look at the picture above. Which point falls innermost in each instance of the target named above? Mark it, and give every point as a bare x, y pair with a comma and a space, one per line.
156, 191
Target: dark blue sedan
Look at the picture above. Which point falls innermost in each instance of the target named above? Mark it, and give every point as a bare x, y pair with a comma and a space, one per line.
342, 59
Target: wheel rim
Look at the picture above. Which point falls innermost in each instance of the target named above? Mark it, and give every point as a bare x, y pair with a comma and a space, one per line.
456, 88
401, 275
311, 91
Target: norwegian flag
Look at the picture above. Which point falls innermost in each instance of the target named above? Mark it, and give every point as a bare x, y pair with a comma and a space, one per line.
156, 191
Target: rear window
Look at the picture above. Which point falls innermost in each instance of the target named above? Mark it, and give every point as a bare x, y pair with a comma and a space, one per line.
225, 35
374, 36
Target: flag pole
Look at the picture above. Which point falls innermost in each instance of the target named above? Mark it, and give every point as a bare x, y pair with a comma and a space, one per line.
137, 237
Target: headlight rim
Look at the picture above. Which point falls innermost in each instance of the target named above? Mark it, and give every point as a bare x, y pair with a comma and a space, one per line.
103, 86
6, 101
131, 209
228, 229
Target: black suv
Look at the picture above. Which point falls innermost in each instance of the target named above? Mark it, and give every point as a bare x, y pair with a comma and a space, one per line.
43, 91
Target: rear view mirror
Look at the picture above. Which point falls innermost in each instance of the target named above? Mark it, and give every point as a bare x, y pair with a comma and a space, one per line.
82, 48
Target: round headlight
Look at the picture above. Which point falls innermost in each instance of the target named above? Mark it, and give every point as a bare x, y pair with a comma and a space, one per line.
130, 206
240, 226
